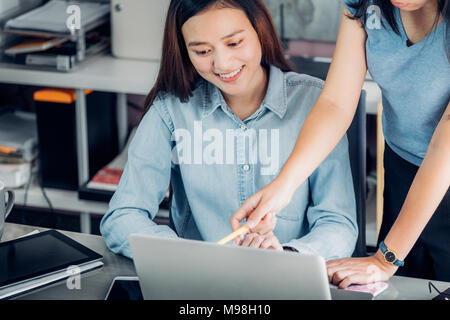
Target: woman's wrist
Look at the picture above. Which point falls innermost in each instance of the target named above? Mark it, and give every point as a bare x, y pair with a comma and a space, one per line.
288, 182
388, 267
286, 186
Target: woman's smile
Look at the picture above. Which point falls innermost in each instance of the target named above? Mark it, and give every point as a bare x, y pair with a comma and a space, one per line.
232, 76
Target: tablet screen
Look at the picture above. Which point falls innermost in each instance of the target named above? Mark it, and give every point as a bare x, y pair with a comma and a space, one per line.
40, 254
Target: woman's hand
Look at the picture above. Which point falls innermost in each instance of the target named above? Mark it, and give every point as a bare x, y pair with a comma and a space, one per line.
259, 207
268, 223
267, 241
347, 271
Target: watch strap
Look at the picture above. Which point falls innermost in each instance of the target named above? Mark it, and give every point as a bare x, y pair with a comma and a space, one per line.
384, 249
399, 263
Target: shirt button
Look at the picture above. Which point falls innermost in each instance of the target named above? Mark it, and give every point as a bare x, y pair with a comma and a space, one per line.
246, 167
243, 128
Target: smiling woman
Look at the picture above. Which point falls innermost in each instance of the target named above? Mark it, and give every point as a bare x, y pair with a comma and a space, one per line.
224, 113
187, 46
231, 62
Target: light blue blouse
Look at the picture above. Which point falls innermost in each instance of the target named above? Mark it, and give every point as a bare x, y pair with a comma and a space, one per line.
414, 82
215, 161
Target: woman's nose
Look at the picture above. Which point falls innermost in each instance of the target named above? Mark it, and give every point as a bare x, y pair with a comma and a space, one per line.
222, 61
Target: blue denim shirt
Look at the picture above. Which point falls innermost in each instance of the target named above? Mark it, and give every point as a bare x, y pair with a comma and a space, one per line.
215, 161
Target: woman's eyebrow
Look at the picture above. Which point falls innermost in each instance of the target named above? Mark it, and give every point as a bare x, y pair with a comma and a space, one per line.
199, 43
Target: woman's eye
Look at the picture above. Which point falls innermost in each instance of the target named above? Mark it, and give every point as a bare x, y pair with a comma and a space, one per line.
202, 53
234, 44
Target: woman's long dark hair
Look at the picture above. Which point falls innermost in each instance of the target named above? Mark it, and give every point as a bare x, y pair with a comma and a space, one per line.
387, 11
177, 75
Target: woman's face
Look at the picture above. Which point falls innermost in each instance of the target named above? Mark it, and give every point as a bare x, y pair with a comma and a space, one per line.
410, 5
224, 48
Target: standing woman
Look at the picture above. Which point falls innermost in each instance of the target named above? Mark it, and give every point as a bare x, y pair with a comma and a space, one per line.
405, 46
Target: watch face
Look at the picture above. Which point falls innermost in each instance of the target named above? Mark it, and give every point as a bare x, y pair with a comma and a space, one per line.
390, 257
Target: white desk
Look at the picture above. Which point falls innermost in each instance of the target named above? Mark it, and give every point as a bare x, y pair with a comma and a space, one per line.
102, 73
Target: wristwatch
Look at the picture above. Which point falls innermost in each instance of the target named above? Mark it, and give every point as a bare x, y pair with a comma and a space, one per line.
390, 256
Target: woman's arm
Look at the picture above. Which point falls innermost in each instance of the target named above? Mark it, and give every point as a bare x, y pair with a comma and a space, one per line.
426, 192
325, 125
429, 186
142, 186
331, 212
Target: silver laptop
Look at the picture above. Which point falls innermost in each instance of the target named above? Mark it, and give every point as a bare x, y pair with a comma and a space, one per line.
137, 28
180, 269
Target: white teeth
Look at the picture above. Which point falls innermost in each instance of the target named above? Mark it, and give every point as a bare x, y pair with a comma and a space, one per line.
232, 74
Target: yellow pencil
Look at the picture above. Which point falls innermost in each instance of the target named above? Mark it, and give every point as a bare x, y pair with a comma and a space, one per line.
234, 234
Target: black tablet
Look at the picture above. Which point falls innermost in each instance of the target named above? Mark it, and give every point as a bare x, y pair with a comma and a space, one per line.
40, 254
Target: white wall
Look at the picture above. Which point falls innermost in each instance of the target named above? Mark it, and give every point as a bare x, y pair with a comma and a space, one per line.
307, 19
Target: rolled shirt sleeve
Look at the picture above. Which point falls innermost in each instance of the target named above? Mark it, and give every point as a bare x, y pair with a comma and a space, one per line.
348, 4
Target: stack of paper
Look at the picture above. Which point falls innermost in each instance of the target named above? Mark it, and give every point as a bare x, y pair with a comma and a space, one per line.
52, 16
35, 45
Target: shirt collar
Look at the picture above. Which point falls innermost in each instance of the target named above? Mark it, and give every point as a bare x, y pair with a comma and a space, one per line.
275, 99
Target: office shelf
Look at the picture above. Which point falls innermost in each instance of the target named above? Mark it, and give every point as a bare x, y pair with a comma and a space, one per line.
65, 200
102, 72
86, 193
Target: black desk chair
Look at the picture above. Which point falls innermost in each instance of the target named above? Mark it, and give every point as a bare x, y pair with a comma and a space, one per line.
356, 136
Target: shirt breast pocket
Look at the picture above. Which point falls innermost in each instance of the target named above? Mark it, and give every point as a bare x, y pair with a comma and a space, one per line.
294, 212
293, 215
298, 206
